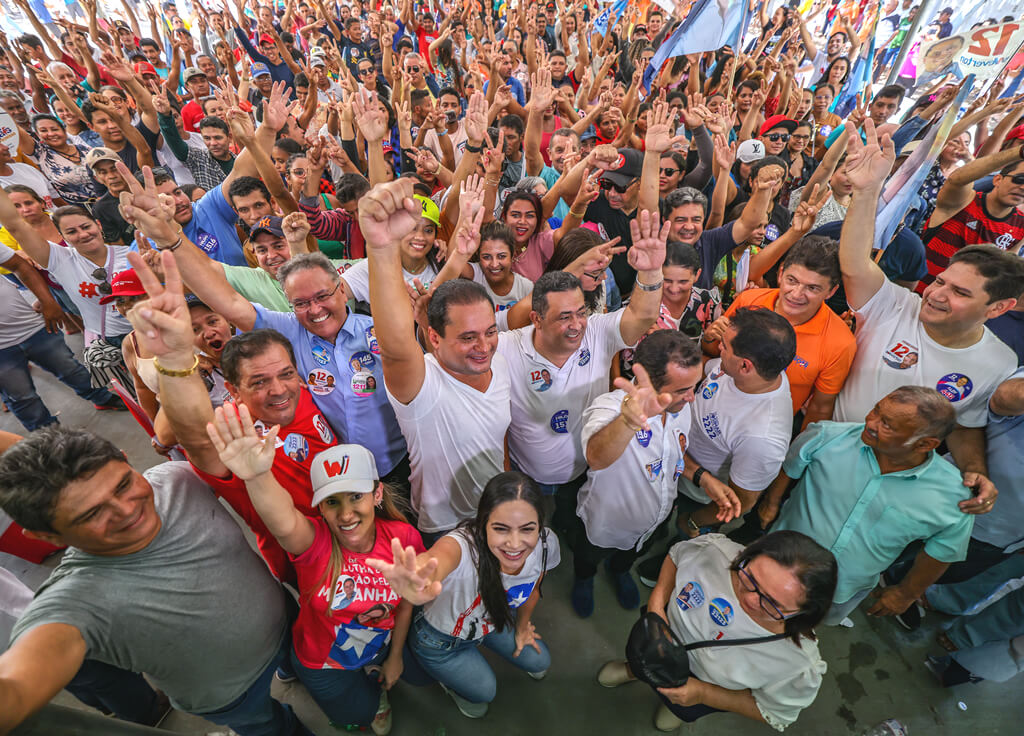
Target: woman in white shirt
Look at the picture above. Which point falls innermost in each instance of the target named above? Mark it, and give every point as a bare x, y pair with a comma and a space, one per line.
479, 585
712, 589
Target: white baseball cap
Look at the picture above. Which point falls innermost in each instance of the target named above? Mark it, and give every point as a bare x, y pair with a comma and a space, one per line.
343, 469
750, 150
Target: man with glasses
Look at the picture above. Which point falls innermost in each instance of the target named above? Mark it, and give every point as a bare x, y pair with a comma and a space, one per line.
415, 69
775, 134
866, 490
615, 208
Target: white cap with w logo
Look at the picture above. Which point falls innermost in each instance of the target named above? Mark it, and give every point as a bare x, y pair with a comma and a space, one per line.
343, 469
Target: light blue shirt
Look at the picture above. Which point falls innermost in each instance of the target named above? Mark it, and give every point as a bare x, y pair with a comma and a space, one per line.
1005, 437
346, 381
865, 518
550, 175
212, 228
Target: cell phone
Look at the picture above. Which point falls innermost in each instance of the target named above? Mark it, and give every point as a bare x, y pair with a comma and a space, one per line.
450, 117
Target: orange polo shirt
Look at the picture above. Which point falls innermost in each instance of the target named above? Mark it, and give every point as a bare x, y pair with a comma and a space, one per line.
824, 348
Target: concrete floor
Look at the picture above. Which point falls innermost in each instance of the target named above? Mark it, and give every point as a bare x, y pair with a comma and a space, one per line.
875, 669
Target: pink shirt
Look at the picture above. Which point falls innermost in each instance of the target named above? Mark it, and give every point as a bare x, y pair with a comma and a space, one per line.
535, 258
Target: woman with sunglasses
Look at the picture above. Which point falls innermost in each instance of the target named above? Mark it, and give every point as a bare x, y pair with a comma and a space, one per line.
712, 589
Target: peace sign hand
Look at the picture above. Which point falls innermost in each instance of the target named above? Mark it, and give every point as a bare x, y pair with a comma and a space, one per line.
642, 400
162, 323
147, 209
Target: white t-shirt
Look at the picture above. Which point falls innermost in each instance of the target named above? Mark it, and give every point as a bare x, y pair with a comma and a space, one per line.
74, 272
32, 178
894, 350
458, 610
783, 678
18, 321
649, 467
548, 401
456, 438
357, 278
738, 436
521, 286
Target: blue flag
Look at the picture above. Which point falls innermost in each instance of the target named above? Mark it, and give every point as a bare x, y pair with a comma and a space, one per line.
608, 17
856, 82
710, 25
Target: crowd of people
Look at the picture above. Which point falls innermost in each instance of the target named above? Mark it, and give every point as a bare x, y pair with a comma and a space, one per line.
431, 294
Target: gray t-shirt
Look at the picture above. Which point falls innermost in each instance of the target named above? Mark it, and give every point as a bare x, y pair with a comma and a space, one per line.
196, 610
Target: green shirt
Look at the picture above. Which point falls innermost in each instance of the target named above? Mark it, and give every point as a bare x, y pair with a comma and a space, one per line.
260, 287
865, 518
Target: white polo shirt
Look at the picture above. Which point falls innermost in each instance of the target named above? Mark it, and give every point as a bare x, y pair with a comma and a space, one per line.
74, 272
893, 350
456, 438
548, 401
650, 467
738, 436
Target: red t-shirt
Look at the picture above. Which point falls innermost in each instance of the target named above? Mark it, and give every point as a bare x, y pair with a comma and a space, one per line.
191, 114
424, 40
297, 445
344, 623
545, 139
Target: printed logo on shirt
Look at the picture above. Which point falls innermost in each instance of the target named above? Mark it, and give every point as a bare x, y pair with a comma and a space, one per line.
721, 611
1004, 241
954, 386
207, 243
321, 354
296, 447
771, 232
346, 590
972, 225
901, 356
364, 383
371, 340
800, 361
653, 469
88, 290
643, 436
323, 429
560, 421
362, 360
320, 382
355, 645
584, 357
681, 462
825, 130
716, 374
540, 380
690, 596
709, 390
517, 595
710, 423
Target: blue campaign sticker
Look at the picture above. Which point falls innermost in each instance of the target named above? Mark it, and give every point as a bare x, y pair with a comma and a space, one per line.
710, 424
771, 232
207, 243
296, 447
371, 340
361, 361
800, 361
709, 390
321, 354
643, 436
584, 357
690, 596
954, 386
680, 468
517, 595
560, 421
653, 469
721, 611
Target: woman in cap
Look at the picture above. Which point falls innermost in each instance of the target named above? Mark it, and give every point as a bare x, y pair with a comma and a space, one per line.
712, 589
348, 639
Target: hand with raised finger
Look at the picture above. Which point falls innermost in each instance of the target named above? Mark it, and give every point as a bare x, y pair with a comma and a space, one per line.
725, 153
239, 446
471, 194
163, 325
642, 401
147, 209
868, 163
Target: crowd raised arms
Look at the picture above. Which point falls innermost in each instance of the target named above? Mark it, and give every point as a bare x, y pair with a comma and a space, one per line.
432, 293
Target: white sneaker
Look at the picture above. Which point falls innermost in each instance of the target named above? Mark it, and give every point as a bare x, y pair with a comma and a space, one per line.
381, 724
847, 623
613, 674
538, 675
466, 708
666, 720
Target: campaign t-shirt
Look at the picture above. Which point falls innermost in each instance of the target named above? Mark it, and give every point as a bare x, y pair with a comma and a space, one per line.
212, 229
459, 610
297, 443
346, 622
74, 272
521, 286
357, 279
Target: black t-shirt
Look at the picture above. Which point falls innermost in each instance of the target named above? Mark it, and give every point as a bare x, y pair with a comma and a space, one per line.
614, 223
115, 228
712, 247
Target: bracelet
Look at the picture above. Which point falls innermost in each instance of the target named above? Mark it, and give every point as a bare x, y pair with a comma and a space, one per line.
492, 182
443, 132
176, 374
647, 287
470, 148
578, 215
169, 248
622, 416
698, 474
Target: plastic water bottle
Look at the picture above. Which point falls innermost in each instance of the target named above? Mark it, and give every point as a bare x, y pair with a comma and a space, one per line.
890, 727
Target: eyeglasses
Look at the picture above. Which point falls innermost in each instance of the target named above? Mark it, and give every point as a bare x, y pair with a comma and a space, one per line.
301, 305
595, 275
607, 184
1017, 179
775, 137
769, 606
669, 172
100, 274
800, 136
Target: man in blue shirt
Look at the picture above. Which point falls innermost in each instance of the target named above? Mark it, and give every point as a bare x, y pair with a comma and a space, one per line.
865, 491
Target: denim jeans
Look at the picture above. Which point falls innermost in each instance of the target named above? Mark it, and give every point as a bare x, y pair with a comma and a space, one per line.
48, 351
114, 690
458, 664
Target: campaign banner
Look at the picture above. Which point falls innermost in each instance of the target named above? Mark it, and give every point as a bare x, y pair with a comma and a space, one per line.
8, 134
983, 51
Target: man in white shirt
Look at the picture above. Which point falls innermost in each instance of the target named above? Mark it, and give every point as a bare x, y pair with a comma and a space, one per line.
453, 403
559, 364
937, 339
635, 438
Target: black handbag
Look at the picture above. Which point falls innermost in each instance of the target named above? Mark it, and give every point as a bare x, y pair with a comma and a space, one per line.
657, 656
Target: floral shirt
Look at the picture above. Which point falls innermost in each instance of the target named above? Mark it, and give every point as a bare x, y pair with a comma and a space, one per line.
72, 181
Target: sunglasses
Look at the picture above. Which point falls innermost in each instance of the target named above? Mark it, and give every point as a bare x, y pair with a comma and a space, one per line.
669, 172
1017, 179
775, 137
100, 274
412, 69
607, 184
366, 72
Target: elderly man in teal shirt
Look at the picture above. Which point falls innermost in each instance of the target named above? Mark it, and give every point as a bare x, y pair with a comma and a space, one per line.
866, 491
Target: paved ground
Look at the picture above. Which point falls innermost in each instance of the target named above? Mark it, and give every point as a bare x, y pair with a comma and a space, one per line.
875, 669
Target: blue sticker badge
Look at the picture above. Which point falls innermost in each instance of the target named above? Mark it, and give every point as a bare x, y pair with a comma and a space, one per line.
517, 595
321, 354
709, 390
690, 596
584, 357
296, 447
771, 232
643, 436
954, 386
371, 340
721, 611
560, 421
361, 361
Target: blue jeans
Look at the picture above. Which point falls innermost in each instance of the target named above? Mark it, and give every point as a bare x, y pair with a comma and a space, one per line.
114, 690
49, 351
458, 664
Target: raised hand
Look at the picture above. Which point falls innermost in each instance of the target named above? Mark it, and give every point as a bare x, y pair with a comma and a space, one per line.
868, 163
471, 218
371, 120
642, 402
409, 579
275, 109
596, 259
659, 138
387, 213
725, 154
807, 210
241, 125
648, 250
476, 117
162, 323
241, 449
148, 210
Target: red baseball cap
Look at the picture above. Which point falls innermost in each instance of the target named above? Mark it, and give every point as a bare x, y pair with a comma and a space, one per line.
144, 68
124, 283
265, 38
778, 121
1017, 132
